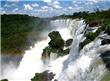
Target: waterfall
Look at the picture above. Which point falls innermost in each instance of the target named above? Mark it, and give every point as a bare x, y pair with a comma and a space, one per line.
84, 65
77, 36
31, 62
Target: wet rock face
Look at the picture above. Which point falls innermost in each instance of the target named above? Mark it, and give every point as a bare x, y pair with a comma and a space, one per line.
45, 76
105, 41
55, 45
56, 40
107, 30
69, 42
106, 58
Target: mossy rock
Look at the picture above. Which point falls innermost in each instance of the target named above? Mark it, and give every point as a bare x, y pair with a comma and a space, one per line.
45, 76
107, 30
85, 42
4, 80
68, 42
105, 59
56, 40
106, 77
56, 46
105, 41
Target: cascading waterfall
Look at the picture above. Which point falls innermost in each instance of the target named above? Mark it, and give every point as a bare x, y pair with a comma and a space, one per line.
31, 62
77, 36
84, 65
88, 66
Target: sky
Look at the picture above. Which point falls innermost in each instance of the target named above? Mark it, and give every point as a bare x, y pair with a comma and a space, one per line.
49, 8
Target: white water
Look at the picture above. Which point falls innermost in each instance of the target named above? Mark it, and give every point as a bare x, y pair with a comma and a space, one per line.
77, 66
82, 66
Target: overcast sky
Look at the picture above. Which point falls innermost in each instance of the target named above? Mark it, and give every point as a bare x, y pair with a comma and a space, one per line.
47, 8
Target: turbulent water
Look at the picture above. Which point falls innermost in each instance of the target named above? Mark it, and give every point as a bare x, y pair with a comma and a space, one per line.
83, 65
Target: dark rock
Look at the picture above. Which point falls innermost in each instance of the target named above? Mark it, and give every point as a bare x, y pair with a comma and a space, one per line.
56, 45
56, 40
4, 80
92, 24
106, 58
45, 76
69, 42
105, 41
46, 52
85, 42
107, 30
66, 51
55, 80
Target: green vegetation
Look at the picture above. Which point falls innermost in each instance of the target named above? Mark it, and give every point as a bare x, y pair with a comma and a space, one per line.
105, 57
56, 40
4, 80
90, 36
69, 42
19, 32
39, 77
56, 45
97, 18
106, 77
44, 76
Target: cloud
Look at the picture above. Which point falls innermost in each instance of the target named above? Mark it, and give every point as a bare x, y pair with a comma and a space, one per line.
13, 4
57, 6
13, 0
56, 2
28, 7
70, 7
2, 12
1, 8
6, 5
35, 5
96, 1
53, 3
44, 7
16, 9
47, 1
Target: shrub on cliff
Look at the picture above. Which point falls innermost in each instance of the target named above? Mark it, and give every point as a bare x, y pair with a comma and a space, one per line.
90, 35
85, 42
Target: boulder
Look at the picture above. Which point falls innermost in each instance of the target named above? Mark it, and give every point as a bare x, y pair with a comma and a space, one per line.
68, 42
4, 80
106, 58
56, 40
45, 76
105, 41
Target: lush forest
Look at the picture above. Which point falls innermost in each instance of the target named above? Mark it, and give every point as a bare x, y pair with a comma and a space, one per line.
15, 30
96, 18
19, 32
99, 18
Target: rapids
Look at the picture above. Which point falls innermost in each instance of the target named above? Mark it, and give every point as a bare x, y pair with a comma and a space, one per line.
83, 65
